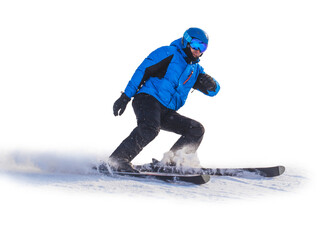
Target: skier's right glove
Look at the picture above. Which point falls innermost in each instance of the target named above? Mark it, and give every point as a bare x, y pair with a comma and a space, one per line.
205, 83
120, 105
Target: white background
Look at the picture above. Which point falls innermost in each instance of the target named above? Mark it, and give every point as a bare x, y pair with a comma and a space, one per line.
64, 63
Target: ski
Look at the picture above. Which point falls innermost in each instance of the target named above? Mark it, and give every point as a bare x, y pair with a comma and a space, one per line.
155, 170
167, 177
234, 172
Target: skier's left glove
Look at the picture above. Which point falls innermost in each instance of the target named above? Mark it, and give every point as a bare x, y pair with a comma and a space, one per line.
120, 105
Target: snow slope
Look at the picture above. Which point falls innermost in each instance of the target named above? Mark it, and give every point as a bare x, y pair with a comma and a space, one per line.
74, 172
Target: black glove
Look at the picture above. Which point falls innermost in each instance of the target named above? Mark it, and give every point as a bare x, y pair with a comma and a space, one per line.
120, 105
205, 83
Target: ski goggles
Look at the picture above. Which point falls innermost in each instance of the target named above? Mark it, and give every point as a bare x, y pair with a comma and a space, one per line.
198, 45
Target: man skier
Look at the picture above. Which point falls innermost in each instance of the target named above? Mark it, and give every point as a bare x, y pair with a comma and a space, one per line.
160, 86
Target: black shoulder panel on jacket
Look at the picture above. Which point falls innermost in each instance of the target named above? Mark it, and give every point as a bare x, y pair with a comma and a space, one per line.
157, 70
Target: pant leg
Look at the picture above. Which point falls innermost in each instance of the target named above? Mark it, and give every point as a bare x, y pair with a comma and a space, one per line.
191, 131
148, 112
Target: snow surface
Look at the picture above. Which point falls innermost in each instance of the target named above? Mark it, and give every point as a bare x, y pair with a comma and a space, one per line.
74, 172
62, 65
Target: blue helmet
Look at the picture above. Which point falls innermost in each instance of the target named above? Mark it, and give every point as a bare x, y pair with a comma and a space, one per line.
194, 33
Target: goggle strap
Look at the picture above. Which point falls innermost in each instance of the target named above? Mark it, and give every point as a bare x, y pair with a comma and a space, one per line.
187, 37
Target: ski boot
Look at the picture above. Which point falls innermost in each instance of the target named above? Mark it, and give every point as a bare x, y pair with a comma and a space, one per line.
117, 165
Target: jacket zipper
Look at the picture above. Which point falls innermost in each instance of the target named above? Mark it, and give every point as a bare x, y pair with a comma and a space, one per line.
188, 78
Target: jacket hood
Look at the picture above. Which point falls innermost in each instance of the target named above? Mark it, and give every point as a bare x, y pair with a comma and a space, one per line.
178, 44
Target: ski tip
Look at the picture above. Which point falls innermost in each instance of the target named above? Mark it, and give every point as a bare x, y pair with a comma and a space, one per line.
205, 178
281, 169
199, 179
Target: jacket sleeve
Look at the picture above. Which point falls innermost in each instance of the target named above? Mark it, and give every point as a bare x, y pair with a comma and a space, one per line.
155, 65
206, 84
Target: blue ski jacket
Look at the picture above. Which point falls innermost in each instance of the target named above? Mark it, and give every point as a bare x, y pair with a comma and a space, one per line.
168, 75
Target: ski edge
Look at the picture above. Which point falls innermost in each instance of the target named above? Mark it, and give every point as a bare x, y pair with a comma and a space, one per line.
190, 178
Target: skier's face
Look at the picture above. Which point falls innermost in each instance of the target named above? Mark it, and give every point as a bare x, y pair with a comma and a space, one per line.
195, 53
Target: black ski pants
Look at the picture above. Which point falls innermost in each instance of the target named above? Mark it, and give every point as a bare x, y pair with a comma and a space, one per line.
152, 116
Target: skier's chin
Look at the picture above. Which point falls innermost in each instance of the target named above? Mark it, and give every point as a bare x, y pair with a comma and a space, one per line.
195, 58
